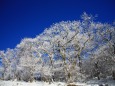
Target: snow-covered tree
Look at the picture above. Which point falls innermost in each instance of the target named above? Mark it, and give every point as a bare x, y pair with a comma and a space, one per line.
101, 64
28, 56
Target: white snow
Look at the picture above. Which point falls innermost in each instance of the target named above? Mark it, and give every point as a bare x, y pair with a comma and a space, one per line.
16, 83
19, 83
108, 81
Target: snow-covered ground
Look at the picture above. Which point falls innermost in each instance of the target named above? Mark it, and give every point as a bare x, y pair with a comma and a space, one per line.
16, 83
108, 81
89, 83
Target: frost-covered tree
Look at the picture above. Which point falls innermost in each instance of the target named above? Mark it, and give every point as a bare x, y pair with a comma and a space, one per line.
101, 64
28, 58
68, 42
8, 63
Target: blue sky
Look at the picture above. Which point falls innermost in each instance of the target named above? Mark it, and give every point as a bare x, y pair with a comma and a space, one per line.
28, 18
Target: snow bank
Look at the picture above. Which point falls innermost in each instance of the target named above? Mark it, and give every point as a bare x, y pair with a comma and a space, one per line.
16, 83
93, 82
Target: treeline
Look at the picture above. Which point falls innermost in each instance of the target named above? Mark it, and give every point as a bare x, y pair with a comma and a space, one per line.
67, 51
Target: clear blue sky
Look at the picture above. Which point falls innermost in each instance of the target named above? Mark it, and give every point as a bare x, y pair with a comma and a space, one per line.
28, 18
